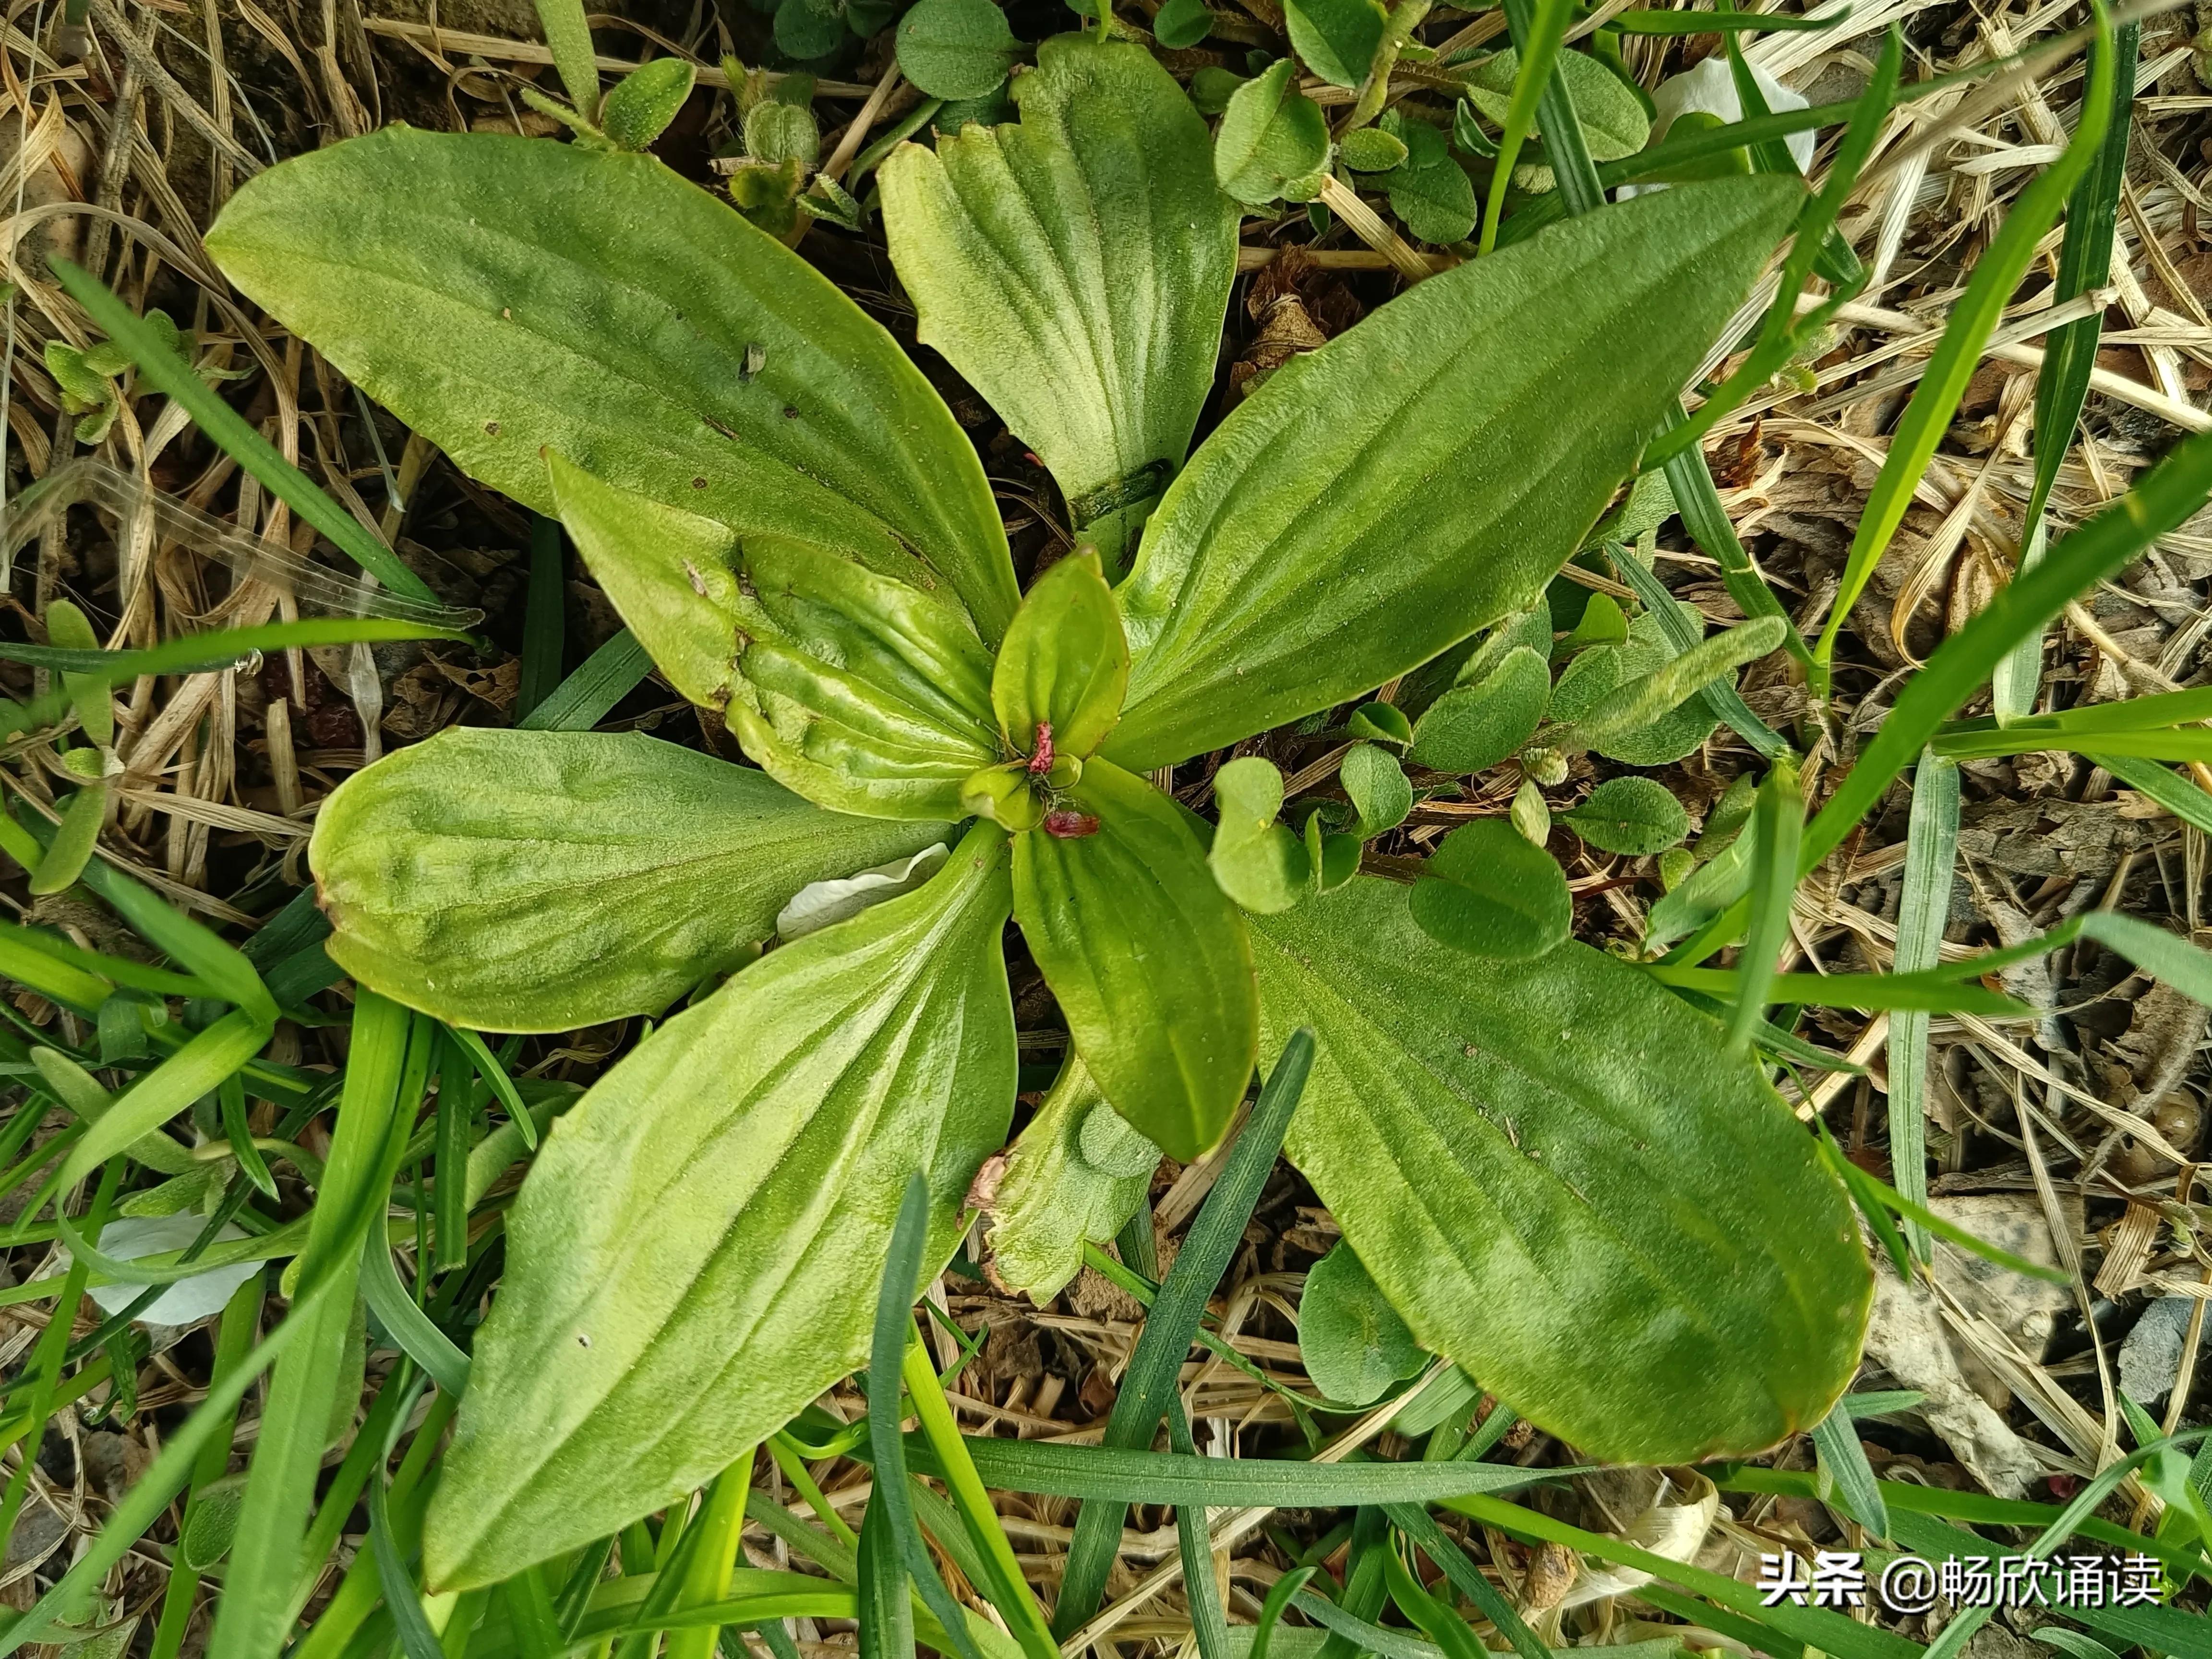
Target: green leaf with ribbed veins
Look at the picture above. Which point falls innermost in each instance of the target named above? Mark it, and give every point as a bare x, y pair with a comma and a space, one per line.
872, 697
503, 297
1148, 958
538, 881
679, 1273
1075, 270
1427, 470
672, 574
1064, 662
1052, 1199
1542, 1166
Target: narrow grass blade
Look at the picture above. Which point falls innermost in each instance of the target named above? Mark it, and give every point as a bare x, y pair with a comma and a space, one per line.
167, 372
1924, 909
542, 619
720, 1519
230, 1096
197, 653
488, 1068
1996, 275
450, 1194
1271, 1610
406, 1323
411, 1624
1001, 1578
581, 701
1149, 1384
1926, 993
1835, 1441
194, 1070
2180, 796
1698, 500
894, 1329
2061, 385
1574, 175
1422, 1531
1437, 1622
71, 848
1361, 1635
1540, 50
886, 1616
1201, 1589
265, 1563
1778, 820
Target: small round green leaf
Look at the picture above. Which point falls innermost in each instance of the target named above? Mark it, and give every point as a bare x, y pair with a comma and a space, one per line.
1488, 892
955, 48
777, 131
1614, 124
1531, 814
809, 28
1473, 727
1435, 203
1258, 862
1212, 88
1634, 815
1352, 1343
644, 101
1338, 39
1112, 1147
1271, 136
1377, 788
1182, 23
1370, 149
1381, 722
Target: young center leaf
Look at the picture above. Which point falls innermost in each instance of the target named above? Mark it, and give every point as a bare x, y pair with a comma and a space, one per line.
871, 698
680, 1264
1075, 270
1543, 1166
538, 881
1148, 958
1427, 470
503, 297
1064, 665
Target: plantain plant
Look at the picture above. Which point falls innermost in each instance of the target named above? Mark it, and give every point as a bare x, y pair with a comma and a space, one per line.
1542, 1164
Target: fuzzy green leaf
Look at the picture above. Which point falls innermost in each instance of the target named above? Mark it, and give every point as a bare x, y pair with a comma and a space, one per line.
1272, 136
1351, 1341
1073, 1177
956, 48
1427, 470
537, 881
1377, 788
644, 101
1489, 892
1075, 270
1472, 727
1337, 39
679, 1277
1542, 1164
1147, 957
1630, 816
503, 297
1614, 124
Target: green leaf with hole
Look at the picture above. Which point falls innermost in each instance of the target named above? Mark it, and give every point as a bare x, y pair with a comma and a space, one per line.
1147, 957
538, 881
1100, 205
1472, 727
680, 1254
1567, 1223
1336, 38
1256, 861
477, 287
1427, 470
1632, 816
1272, 136
1488, 892
1351, 1341
956, 48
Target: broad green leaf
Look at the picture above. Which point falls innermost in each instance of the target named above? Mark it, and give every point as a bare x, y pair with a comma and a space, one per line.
1075, 1173
1427, 470
672, 574
1257, 861
1473, 727
1064, 665
1489, 892
1272, 136
1542, 1166
680, 1262
1148, 958
537, 881
1632, 816
1075, 270
956, 48
1351, 1341
644, 101
1337, 39
503, 297
1614, 124
873, 697
1377, 788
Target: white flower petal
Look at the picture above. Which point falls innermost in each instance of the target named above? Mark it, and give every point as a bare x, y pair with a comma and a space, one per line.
1710, 89
189, 1300
819, 903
